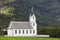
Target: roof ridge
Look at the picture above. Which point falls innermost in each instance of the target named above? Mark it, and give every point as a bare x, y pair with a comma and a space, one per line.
20, 21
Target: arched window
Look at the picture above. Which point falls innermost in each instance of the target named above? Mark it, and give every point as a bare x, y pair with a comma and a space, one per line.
15, 31
27, 31
30, 31
33, 31
23, 31
33, 24
19, 31
33, 17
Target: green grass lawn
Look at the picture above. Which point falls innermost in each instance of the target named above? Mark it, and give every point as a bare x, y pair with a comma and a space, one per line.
27, 38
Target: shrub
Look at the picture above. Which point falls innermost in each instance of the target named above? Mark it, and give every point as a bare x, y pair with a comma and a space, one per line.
52, 31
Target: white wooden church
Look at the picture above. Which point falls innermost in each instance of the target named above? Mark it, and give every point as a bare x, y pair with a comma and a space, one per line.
17, 28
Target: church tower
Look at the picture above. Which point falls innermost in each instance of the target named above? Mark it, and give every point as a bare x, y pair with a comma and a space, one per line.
32, 19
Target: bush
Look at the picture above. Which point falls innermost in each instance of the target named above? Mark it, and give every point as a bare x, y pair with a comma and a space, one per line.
52, 31
1, 32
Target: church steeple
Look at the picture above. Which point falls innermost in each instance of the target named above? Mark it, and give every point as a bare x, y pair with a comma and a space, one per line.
32, 17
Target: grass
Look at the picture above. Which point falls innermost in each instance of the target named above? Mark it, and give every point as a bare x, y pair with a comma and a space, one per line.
27, 38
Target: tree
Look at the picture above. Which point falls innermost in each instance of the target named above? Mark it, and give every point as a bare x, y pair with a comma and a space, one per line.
8, 11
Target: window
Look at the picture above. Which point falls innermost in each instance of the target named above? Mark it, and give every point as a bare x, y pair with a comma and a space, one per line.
33, 24
15, 31
33, 31
27, 31
30, 31
33, 17
19, 31
23, 31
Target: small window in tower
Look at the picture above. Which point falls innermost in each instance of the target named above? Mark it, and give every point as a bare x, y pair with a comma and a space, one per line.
33, 17
33, 24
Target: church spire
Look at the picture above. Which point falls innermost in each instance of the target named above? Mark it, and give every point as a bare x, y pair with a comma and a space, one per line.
32, 10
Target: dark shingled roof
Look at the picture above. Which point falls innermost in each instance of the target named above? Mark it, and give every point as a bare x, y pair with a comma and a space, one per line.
20, 25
